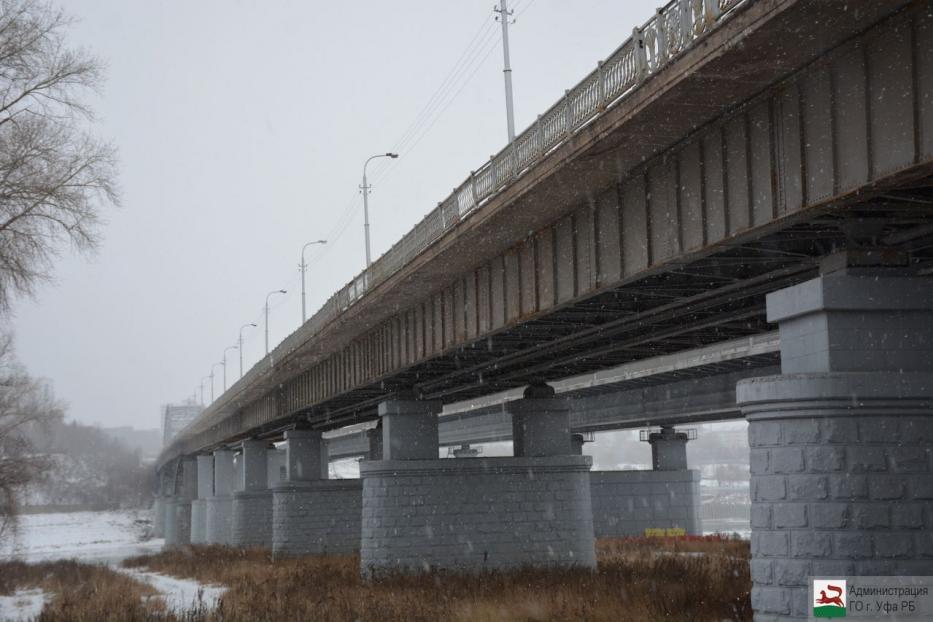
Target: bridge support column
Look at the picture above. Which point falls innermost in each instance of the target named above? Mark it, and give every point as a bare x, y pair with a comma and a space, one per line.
252, 502
421, 512
627, 503
178, 515
668, 449
840, 441
219, 506
199, 505
375, 443
311, 514
158, 506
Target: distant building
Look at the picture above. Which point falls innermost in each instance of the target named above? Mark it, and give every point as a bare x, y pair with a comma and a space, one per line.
175, 417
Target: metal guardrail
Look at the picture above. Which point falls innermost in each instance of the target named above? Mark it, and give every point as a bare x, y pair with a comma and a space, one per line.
673, 29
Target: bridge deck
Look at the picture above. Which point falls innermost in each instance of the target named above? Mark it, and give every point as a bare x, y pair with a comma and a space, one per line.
659, 226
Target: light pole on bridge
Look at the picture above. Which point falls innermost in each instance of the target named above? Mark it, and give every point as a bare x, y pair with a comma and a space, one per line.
202, 387
365, 188
275, 291
227, 349
302, 266
212, 380
240, 344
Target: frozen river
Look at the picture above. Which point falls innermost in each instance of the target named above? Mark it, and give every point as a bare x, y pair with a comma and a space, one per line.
93, 537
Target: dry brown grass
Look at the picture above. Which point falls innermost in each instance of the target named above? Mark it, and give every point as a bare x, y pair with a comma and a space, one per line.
633, 582
80, 592
637, 579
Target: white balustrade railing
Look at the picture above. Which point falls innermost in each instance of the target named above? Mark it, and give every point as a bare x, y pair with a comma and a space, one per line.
672, 30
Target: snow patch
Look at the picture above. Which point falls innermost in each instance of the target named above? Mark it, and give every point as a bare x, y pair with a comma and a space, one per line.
22, 605
179, 595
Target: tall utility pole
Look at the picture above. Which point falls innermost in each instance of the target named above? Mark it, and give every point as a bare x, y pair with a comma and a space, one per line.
365, 188
504, 15
240, 344
275, 291
303, 265
236, 347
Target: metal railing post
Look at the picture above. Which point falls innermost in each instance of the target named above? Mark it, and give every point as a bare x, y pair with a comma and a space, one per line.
686, 24
539, 137
660, 29
568, 114
473, 188
712, 11
600, 87
641, 55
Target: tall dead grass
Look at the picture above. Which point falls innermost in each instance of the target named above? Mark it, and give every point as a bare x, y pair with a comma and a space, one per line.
636, 579
81, 592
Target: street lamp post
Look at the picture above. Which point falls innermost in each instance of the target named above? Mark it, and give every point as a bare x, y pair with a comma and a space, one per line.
212, 379
365, 188
240, 344
202, 387
276, 291
303, 265
225, 363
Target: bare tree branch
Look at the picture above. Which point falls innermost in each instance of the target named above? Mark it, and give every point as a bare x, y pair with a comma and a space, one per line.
55, 178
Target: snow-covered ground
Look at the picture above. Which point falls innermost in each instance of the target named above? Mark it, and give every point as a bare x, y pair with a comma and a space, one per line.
179, 595
93, 537
21, 605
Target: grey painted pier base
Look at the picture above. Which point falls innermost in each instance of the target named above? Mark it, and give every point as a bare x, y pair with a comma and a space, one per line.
199, 505
178, 509
252, 503
158, 516
316, 517
219, 511
625, 503
841, 478
311, 514
420, 512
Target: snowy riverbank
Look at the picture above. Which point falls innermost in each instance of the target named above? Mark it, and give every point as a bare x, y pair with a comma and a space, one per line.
94, 538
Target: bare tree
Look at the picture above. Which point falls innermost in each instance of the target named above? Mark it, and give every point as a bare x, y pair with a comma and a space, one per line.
54, 175
25, 404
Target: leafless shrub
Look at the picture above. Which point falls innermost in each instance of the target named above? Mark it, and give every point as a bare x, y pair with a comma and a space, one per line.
25, 404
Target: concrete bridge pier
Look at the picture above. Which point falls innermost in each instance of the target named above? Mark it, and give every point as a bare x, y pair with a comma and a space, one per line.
840, 441
311, 514
626, 503
252, 501
375, 442
178, 509
668, 449
421, 512
218, 518
159, 504
199, 505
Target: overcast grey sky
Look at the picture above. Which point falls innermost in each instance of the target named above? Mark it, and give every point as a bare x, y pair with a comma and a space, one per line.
242, 129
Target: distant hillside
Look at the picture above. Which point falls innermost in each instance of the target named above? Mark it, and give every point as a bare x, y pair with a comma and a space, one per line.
88, 467
147, 442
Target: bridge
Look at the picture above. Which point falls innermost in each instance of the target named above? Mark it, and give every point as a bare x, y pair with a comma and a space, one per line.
732, 166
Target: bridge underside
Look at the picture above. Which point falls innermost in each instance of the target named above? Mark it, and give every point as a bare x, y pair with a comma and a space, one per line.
710, 300
677, 253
